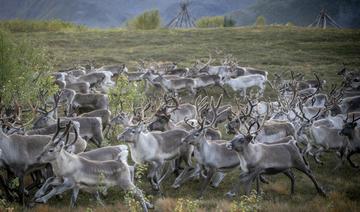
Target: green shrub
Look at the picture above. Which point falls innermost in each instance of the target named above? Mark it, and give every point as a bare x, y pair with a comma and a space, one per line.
210, 22
19, 25
229, 21
147, 20
24, 71
260, 21
215, 21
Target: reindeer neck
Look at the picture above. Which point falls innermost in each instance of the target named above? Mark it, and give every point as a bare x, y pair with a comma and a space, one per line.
203, 142
64, 163
2, 135
250, 150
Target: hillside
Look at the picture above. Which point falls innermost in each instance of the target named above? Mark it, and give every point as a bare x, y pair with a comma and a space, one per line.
109, 13
300, 12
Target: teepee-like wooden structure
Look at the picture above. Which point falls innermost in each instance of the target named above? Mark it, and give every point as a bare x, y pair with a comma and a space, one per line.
323, 19
183, 19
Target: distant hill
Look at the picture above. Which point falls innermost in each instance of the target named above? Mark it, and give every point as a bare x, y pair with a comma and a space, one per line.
300, 12
110, 13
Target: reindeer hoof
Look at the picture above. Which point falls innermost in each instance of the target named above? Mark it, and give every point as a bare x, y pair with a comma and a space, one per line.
156, 188
230, 194
322, 192
175, 186
149, 205
40, 200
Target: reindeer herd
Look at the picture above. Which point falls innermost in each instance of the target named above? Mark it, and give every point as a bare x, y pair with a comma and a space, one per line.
182, 135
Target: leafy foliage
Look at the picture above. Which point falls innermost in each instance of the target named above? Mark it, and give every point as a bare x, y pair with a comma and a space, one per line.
215, 21
148, 20
125, 94
19, 25
210, 22
260, 21
24, 71
229, 21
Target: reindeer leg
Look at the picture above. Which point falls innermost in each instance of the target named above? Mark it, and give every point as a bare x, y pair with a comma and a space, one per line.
206, 182
185, 175
236, 187
257, 185
137, 193
52, 181
98, 199
74, 196
67, 185
348, 157
291, 176
21, 190
247, 181
169, 170
307, 171
155, 165
217, 178
8, 195
317, 155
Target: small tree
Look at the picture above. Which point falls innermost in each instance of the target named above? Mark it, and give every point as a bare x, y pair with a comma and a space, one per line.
260, 21
24, 72
147, 20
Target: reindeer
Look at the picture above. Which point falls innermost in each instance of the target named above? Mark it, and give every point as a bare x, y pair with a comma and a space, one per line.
100, 154
116, 70
259, 158
177, 85
178, 112
19, 153
213, 155
86, 174
155, 148
90, 129
352, 132
162, 122
243, 82
88, 102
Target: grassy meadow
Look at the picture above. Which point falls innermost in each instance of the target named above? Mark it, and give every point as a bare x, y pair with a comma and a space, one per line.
276, 49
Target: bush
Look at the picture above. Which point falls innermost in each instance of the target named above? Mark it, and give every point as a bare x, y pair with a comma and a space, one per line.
147, 20
229, 21
19, 25
260, 21
215, 21
210, 22
24, 72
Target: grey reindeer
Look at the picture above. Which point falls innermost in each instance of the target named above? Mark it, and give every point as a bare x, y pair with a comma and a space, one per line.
80, 173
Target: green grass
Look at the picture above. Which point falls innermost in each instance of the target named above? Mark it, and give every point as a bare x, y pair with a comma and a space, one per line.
275, 49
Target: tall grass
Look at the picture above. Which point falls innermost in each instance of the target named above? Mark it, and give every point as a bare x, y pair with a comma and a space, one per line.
147, 20
19, 25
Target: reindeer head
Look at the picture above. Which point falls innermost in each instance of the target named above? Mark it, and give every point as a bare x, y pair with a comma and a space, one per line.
160, 121
197, 136
243, 114
130, 135
349, 127
240, 141
58, 143
122, 118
